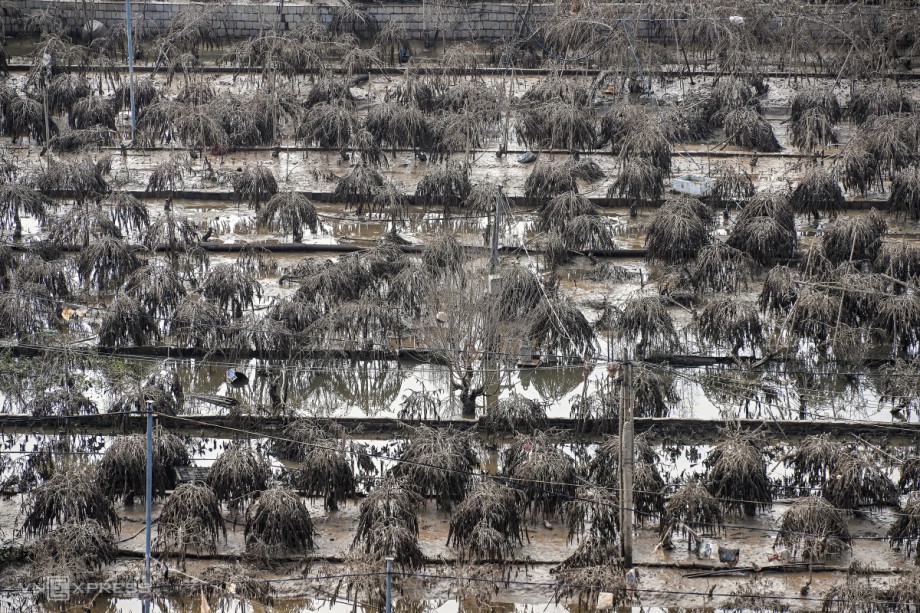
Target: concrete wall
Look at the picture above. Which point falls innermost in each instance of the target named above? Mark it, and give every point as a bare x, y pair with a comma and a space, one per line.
485, 21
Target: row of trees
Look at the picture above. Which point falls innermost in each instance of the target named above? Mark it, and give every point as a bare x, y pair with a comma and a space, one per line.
72, 521
854, 40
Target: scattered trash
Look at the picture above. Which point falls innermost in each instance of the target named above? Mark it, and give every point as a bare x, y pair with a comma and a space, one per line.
68, 313
693, 185
729, 556
236, 379
527, 157
783, 555
703, 550
205, 607
632, 582
605, 601
92, 30
736, 20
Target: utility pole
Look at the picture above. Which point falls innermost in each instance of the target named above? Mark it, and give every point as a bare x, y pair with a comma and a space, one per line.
495, 230
627, 462
128, 28
44, 82
149, 503
389, 585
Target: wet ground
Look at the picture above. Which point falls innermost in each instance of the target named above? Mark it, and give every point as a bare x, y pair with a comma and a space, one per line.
315, 172
660, 586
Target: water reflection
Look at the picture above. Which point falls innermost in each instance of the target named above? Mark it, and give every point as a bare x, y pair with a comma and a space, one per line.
380, 388
553, 384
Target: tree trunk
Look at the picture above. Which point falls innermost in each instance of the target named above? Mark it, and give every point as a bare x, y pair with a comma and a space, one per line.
468, 402
468, 393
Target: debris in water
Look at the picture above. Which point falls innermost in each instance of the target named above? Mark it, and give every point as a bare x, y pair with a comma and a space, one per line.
527, 157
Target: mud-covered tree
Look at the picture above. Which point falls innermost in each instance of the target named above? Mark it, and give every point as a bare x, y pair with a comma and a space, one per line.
537, 465
906, 528
122, 471
644, 322
896, 322
178, 237
679, 231
552, 178
190, 518
438, 463
16, 200
515, 414
904, 197
158, 287
489, 524
649, 487
721, 268
78, 550
732, 324
388, 524
809, 526
816, 193
167, 176
326, 472
239, 475
899, 260
732, 188
765, 229
692, 510
254, 185
746, 127
126, 322
854, 239
329, 125
737, 473
557, 124
358, 187
106, 262
447, 185
559, 328
72, 494
231, 288
278, 522
847, 476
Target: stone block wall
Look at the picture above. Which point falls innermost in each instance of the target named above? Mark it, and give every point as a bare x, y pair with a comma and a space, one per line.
458, 20
474, 21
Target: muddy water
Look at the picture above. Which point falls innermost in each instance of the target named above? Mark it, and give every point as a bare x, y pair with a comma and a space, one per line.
381, 388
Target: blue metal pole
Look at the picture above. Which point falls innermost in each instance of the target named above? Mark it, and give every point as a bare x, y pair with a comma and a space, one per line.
128, 27
389, 585
149, 502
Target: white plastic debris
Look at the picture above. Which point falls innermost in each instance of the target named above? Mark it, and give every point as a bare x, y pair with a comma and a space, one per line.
736, 20
693, 185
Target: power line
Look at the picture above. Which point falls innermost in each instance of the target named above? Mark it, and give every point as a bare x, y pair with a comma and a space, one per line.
511, 480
